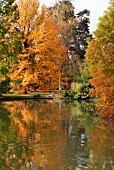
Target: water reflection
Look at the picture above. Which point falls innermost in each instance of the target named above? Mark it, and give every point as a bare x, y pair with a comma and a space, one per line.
102, 145
51, 135
34, 138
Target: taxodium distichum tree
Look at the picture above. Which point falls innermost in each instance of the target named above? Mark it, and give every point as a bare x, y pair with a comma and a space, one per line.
39, 67
100, 60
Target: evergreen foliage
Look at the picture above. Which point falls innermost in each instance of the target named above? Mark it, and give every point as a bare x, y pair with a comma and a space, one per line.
75, 31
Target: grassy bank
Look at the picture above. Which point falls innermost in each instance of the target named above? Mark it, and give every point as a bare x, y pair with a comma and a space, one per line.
22, 97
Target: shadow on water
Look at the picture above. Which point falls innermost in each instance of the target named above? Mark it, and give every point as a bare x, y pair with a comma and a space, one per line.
52, 135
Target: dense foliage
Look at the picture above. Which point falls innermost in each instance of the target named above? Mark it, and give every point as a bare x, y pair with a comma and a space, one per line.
75, 30
30, 37
29, 47
10, 41
40, 65
100, 60
44, 49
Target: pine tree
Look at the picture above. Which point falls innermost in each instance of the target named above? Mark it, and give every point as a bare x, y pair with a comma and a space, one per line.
82, 32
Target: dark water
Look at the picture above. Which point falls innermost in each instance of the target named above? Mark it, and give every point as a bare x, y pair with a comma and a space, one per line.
48, 135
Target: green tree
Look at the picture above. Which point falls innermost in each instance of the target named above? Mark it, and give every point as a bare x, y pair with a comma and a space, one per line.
4, 79
10, 40
63, 11
82, 32
75, 30
10, 44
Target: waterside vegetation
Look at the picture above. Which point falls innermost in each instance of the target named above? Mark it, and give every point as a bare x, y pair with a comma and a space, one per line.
51, 49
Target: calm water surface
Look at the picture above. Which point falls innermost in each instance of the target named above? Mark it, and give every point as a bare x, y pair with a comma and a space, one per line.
48, 135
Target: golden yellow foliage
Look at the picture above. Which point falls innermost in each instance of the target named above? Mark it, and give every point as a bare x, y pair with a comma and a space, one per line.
43, 48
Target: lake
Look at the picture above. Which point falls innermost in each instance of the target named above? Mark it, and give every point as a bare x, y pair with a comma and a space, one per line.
54, 135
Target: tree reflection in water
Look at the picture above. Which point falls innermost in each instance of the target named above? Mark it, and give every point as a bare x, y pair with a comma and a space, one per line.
102, 145
34, 135
54, 135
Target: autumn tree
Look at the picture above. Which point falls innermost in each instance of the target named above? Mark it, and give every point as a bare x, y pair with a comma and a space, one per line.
43, 49
100, 61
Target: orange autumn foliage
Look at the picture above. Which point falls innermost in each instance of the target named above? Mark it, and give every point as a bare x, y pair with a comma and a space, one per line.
100, 59
43, 49
101, 68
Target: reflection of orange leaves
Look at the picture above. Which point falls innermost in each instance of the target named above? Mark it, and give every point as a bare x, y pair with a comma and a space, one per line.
42, 134
102, 136
42, 161
18, 123
24, 155
20, 161
38, 137
45, 118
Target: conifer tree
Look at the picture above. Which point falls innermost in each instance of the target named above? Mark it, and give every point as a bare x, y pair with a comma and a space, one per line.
43, 49
75, 30
100, 59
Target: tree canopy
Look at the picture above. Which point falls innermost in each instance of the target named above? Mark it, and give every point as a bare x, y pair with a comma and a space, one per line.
39, 67
10, 41
100, 59
75, 30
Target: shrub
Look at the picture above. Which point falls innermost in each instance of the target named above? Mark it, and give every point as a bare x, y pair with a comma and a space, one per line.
80, 91
36, 95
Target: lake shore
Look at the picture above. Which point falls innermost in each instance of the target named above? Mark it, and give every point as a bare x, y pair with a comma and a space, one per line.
8, 97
